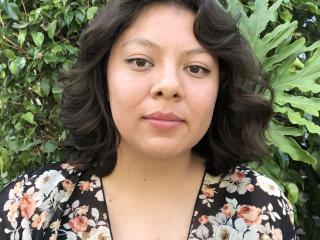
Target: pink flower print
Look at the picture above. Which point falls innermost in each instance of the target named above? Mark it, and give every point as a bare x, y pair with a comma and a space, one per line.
27, 206
13, 212
228, 210
237, 176
277, 234
207, 195
79, 223
203, 219
250, 214
85, 186
37, 220
82, 210
209, 192
66, 166
250, 187
17, 188
67, 185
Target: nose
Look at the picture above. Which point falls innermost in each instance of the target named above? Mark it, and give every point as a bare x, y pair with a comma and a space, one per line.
168, 85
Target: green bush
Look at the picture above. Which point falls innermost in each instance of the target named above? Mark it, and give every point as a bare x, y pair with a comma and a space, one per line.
38, 40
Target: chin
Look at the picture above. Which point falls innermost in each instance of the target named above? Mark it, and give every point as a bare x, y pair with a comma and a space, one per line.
166, 152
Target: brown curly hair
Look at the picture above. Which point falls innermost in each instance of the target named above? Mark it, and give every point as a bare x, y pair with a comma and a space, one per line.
241, 114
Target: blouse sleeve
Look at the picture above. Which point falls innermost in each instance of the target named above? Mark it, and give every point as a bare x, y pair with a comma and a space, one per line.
261, 206
242, 205
31, 201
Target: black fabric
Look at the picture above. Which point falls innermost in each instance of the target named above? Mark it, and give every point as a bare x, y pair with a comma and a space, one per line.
57, 202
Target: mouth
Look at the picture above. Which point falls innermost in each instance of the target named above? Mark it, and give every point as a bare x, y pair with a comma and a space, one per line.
163, 120
163, 117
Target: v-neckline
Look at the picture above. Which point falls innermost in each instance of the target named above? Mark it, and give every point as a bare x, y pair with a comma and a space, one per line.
196, 203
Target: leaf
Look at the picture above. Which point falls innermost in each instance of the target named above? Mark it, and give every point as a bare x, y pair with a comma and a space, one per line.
290, 146
304, 79
22, 36
273, 39
293, 192
283, 159
45, 86
75, 204
38, 38
285, 15
270, 168
29, 117
17, 65
251, 27
52, 29
3, 4
95, 213
29, 145
4, 158
56, 89
296, 118
30, 132
25, 158
80, 16
9, 53
309, 105
68, 16
50, 147
20, 25
13, 11
312, 47
286, 131
91, 12
283, 53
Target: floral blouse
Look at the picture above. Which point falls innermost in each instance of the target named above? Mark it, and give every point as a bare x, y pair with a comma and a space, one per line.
60, 202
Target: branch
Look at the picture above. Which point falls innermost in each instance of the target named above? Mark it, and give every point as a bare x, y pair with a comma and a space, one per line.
24, 7
13, 45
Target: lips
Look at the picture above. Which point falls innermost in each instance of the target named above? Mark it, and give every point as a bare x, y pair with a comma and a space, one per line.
163, 117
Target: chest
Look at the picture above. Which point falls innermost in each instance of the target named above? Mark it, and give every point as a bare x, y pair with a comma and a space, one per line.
150, 220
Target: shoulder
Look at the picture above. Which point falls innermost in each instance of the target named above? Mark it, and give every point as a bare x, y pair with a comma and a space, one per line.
244, 180
248, 204
31, 199
43, 179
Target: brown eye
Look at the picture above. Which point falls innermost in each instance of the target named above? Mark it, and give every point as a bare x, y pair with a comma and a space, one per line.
197, 71
139, 63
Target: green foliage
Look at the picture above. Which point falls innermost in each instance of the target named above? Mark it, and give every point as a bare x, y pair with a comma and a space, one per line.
293, 69
38, 40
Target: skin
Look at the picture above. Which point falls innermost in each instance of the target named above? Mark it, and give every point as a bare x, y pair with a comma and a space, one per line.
150, 70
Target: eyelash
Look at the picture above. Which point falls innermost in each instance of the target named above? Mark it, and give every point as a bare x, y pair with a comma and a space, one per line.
131, 60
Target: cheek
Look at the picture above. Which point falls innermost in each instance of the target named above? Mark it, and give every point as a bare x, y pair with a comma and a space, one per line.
203, 104
203, 100
125, 95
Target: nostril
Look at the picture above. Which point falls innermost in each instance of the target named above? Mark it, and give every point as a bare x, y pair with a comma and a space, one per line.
159, 94
176, 95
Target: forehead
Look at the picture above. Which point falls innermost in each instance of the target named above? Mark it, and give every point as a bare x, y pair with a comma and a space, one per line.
165, 24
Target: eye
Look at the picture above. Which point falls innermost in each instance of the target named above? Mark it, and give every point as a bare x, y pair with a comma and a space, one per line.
197, 70
139, 63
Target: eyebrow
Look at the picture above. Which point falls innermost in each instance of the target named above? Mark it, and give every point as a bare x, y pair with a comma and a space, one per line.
147, 43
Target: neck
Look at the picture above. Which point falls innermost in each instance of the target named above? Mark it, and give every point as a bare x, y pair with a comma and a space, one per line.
138, 171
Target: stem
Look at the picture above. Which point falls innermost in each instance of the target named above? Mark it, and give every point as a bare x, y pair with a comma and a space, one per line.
8, 40
1, 20
12, 44
24, 7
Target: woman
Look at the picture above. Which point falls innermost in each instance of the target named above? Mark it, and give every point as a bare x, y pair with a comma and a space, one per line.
162, 111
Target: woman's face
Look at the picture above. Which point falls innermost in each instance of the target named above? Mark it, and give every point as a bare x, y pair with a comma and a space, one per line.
162, 84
